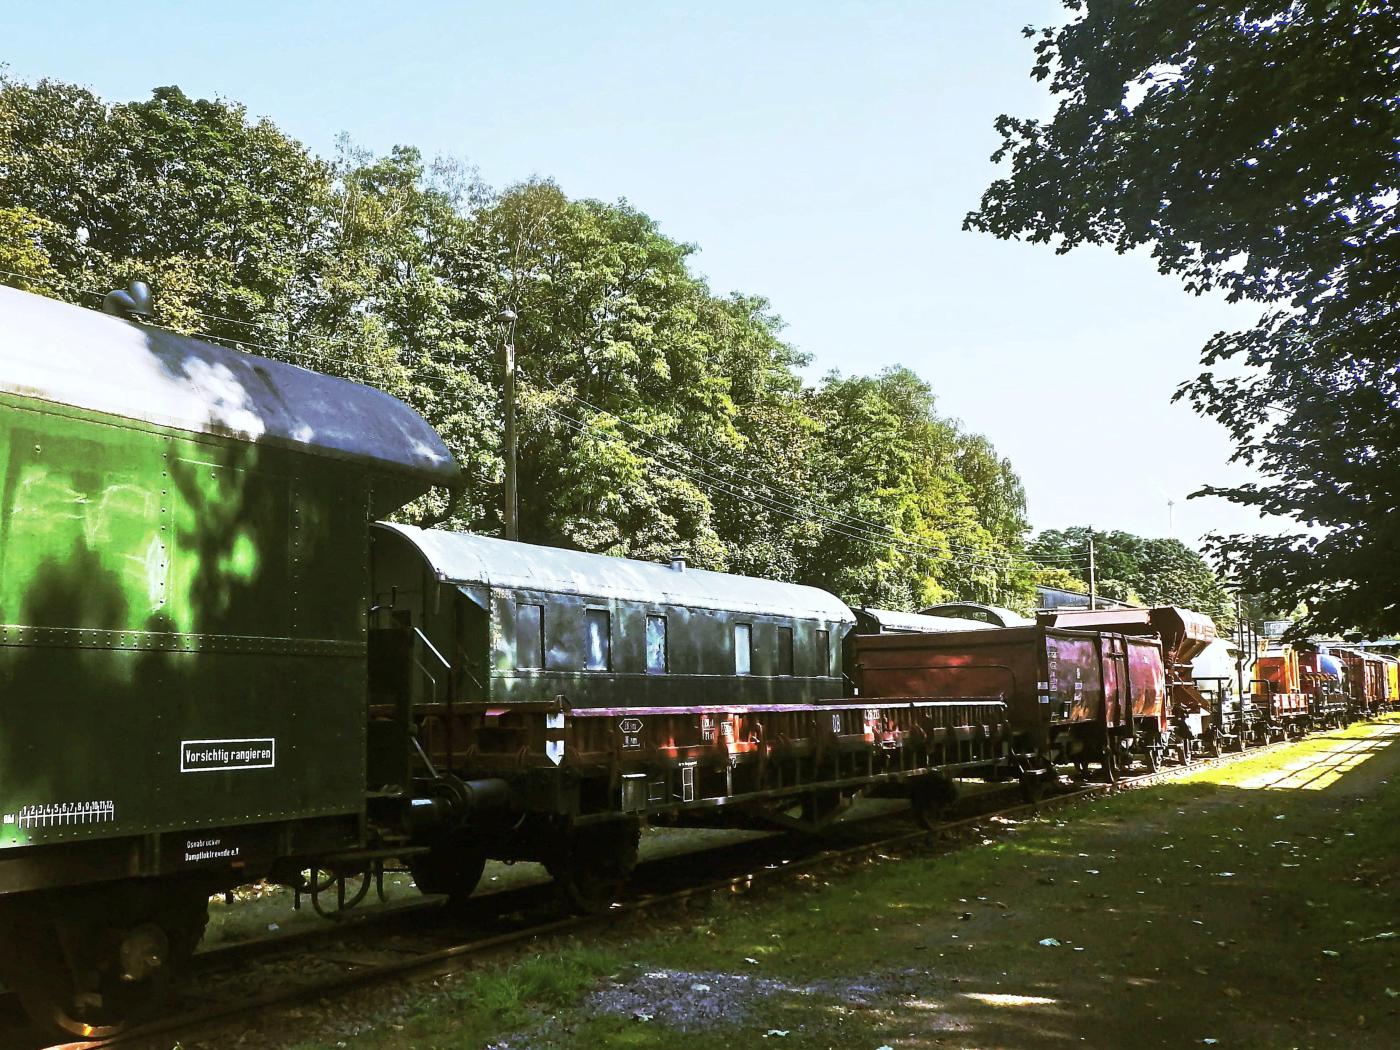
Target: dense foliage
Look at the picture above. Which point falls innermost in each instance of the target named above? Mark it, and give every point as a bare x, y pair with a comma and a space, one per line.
656, 417
1253, 148
1138, 569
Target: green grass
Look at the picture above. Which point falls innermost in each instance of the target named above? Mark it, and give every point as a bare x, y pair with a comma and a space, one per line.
1159, 945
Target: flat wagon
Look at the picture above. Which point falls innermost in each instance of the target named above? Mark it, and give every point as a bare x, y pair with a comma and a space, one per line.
562, 697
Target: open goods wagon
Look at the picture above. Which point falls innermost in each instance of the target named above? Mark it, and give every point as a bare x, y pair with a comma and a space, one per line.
1071, 696
1184, 635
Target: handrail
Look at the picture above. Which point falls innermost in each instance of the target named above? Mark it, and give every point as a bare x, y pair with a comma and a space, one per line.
431, 647
451, 683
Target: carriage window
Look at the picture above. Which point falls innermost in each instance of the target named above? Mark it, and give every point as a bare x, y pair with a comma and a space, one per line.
599, 639
743, 649
656, 645
529, 636
823, 652
785, 650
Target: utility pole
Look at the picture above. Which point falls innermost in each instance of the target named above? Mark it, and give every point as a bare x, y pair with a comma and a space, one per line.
1093, 576
1239, 660
506, 318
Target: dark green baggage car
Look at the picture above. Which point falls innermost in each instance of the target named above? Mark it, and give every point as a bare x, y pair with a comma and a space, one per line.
183, 581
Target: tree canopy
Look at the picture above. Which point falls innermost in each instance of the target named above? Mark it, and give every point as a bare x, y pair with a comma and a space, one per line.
1138, 569
1252, 148
656, 417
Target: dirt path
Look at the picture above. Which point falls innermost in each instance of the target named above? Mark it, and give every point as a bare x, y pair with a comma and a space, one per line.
1252, 906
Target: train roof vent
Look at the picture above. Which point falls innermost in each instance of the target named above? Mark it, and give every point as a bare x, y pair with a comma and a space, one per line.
678, 563
132, 303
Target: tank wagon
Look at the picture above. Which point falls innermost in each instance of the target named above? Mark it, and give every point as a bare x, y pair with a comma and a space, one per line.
1072, 696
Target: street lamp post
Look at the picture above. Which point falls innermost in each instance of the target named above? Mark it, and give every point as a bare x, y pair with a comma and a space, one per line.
506, 318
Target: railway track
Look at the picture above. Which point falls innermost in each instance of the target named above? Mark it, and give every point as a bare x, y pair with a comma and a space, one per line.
244, 979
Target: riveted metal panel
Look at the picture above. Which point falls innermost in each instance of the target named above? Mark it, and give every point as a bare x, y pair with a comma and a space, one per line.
183, 629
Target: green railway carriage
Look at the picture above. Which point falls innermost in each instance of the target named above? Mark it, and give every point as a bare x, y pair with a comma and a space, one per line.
183, 571
529, 623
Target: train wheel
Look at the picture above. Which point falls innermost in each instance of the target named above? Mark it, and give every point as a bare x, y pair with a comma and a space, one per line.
1035, 776
453, 869
593, 863
1110, 764
1033, 784
103, 960
1152, 757
930, 797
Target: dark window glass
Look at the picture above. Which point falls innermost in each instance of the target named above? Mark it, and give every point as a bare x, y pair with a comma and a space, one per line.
823, 652
529, 636
784, 650
656, 645
743, 649
598, 638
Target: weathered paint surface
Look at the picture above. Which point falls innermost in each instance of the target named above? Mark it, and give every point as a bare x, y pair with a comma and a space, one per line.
156, 591
182, 599
477, 622
1052, 680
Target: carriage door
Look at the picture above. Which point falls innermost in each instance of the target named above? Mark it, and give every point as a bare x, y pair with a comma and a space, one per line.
1117, 704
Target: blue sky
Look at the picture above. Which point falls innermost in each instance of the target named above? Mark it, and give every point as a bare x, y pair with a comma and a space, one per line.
821, 154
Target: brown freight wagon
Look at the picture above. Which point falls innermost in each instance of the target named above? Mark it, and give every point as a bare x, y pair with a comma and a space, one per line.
1184, 635
1366, 681
1072, 696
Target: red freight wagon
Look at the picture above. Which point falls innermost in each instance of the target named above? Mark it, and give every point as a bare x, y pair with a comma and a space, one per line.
1080, 696
1278, 690
1184, 635
1366, 681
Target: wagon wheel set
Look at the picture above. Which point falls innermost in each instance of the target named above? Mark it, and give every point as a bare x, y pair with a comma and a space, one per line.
105, 955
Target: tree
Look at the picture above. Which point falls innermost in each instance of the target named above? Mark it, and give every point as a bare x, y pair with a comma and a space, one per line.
907, 528
1139, 569
23, 259
655, 417
1251, 147
211, 209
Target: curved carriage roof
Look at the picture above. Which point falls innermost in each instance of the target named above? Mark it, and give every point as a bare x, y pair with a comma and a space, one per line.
892, 621
465, 559
992, 614
56, 352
